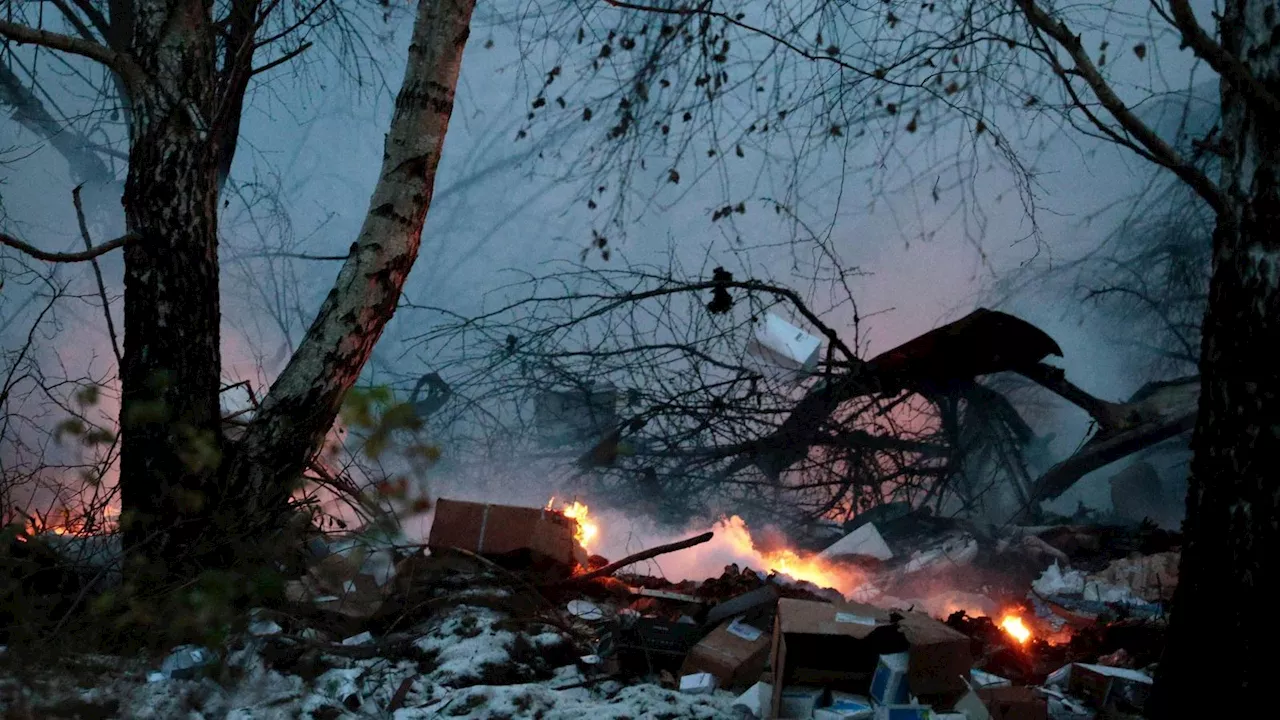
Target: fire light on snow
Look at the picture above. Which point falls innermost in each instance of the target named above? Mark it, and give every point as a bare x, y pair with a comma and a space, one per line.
1017, 629
587, 528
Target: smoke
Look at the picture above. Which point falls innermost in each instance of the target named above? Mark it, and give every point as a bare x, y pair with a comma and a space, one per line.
923, 271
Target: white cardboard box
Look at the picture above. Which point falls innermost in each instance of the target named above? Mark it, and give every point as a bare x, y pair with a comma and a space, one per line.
889, 683
846, 706
698, 684
799, 702
751, 705
779, 342
865, 541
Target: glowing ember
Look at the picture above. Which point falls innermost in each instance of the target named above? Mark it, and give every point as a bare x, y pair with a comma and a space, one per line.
587, 529
806, 567
1017, 629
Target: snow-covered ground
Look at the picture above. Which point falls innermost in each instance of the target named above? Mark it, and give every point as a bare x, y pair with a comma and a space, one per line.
467, 662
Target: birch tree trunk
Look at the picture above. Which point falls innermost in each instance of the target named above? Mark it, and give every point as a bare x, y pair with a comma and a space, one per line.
1222, 634
170, 420
189, 499
302, 405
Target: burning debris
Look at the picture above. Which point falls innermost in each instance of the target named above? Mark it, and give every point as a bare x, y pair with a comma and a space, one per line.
504, 613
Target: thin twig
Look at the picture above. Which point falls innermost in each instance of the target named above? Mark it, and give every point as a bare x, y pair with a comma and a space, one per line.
97, 273
283, 58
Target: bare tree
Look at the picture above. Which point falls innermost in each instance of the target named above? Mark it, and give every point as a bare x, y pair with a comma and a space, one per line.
189, 499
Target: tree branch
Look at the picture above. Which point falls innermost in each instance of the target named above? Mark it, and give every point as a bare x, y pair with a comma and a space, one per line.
283, 58
1102, 451
305, 399
1230, 68
89, 254
1106, 414
614, 567
237, 69
99, 21
1161, 151
122, 64
1155, 413
74, 19
703, 9
97, 274
85, 164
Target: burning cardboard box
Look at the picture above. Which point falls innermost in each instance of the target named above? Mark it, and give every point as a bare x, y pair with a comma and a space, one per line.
838, 646
532, 536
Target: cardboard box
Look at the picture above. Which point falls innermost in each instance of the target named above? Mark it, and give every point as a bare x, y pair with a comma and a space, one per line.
1014, 703
753, 703
831, 713
940, 657
503, 530
889, 683
1099, 684
648, 645
570, 416
983, 679
839, 645
969, 707
901, 711
799, 701
698, 684
865, 541
846, 706
780, 343
735, 653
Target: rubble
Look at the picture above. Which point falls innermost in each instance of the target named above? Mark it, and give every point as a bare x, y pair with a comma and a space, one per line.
1151, 578
862, 542
184, 663
1102, 687
502, 615
1014, 703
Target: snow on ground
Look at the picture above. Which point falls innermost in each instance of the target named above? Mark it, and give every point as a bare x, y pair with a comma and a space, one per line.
470, 663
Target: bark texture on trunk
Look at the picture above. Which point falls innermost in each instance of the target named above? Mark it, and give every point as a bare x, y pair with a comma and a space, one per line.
170, 440
302, 405
1223, 633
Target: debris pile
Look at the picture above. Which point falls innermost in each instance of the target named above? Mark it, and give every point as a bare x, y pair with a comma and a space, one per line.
503, 614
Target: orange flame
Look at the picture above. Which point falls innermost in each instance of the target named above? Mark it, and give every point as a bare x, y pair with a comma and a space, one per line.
1017, 629
64, 522
804, 567
587, 528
